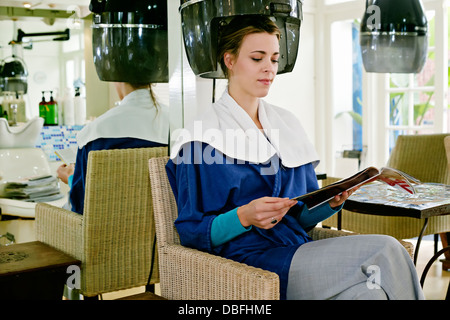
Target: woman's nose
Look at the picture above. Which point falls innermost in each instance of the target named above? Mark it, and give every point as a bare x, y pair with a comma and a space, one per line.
269, 66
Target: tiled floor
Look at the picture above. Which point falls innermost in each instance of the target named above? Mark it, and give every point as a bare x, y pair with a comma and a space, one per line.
437, 280
435, 286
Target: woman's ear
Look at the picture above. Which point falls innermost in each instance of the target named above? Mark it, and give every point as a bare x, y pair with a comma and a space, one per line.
228, 59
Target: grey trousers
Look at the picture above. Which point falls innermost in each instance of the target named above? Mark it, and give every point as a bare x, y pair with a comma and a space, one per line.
365, 267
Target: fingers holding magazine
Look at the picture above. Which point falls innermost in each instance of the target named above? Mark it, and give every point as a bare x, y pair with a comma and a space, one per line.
339, 199
65, 171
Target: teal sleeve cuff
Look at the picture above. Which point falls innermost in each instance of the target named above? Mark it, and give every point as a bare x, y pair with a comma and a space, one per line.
308, 218
69, 181
226, 227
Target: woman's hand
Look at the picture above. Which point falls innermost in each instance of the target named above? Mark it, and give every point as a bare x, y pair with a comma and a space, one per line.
264, 212
64, 172
340, 198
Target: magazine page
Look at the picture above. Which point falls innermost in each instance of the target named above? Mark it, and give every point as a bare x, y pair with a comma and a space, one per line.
316, 198
398, 179
68, 155
428, 195
390, 176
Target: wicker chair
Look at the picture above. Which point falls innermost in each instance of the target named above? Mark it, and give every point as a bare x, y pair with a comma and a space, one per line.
115, 236
187, 274
445, 237
421, 156
447, 150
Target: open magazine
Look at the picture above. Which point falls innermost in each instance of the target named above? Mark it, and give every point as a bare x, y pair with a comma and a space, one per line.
68, 155
392, 177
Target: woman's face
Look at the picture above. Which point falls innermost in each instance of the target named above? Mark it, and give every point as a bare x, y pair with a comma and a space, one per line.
254, 69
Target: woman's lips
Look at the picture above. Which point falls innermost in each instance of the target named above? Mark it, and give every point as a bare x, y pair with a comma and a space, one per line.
265, 81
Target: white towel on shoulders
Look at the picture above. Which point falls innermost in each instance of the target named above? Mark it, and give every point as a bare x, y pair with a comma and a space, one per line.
135, 117
229, 129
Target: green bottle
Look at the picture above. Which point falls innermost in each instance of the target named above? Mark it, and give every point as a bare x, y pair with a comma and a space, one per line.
52, 112
43, 108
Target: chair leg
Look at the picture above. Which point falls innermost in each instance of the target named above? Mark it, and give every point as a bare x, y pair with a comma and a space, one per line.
150, 288
71, 294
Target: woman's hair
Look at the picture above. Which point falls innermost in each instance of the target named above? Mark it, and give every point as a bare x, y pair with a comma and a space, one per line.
232, 34
146, 86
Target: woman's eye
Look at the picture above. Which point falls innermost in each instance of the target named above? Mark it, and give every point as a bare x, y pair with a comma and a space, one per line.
260, 59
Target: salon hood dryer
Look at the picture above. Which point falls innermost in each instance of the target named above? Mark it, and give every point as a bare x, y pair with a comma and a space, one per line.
129, 40
202, 20
13, 75
394, 36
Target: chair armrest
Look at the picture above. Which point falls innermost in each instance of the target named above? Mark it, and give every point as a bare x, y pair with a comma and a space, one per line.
192, 274
324, 233
60, 229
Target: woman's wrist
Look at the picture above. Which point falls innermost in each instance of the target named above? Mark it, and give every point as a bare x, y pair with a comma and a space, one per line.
226, 227
242, 218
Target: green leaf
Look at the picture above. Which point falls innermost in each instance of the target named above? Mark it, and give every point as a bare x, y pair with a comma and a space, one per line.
355, 116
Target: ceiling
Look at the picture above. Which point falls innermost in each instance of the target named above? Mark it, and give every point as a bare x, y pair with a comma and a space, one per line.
15, 10
46, 4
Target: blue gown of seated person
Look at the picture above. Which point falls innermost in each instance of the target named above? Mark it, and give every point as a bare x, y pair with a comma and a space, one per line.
135, 123
203, 191
77, 189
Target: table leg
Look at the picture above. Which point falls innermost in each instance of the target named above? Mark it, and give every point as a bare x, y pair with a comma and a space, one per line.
445, 237
428, 266
339, 220
436, 242
419, 240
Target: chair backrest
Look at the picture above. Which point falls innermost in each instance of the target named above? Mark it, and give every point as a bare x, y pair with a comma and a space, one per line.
164, 204
118, 223
422, 156
447, 150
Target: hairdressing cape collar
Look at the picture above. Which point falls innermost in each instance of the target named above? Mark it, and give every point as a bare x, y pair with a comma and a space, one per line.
229, 129
135, 117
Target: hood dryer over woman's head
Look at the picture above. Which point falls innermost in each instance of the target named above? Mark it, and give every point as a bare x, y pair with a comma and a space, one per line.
248, 52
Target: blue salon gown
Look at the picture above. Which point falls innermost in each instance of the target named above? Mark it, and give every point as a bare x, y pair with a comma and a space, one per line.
204, 190
77, 190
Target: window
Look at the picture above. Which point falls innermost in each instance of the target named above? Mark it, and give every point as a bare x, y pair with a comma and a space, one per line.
347, 95
412, 101
72, 59
391, 104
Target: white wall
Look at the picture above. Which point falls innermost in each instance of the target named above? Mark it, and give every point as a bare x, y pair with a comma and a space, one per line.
98, 93
295, 91
42, 61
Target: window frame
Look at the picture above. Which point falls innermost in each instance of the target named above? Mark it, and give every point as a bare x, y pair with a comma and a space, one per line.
376, 123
